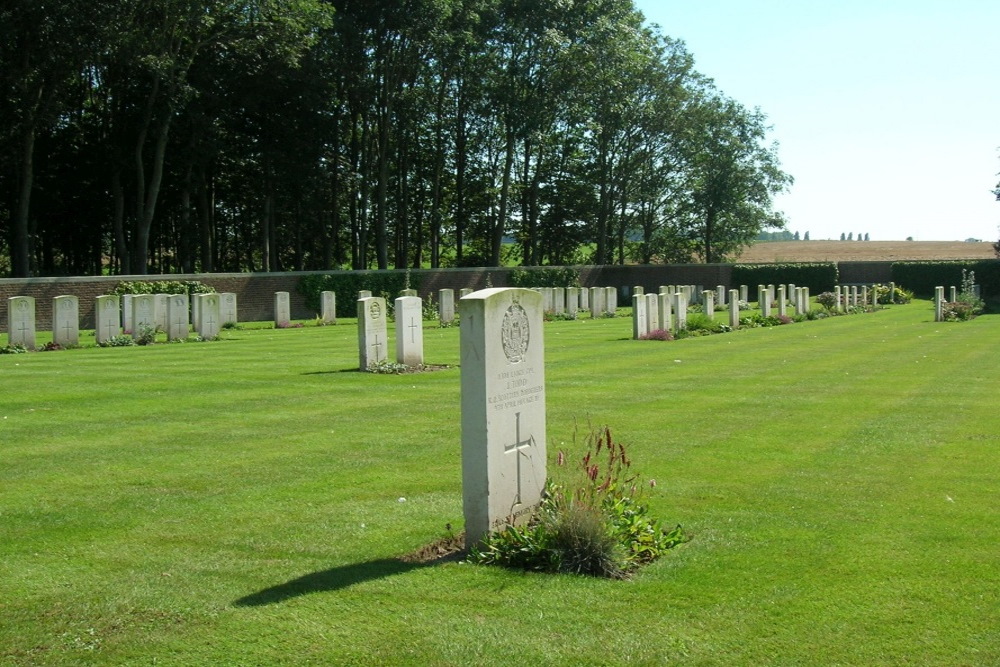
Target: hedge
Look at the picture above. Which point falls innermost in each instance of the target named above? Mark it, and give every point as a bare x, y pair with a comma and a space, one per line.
346, 286
922, 277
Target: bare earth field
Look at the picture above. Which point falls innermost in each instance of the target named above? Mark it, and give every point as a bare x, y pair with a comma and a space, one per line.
863, 251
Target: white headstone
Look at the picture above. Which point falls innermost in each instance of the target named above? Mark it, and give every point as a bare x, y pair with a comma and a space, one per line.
210, 318
408, 292
664, 311
373, 332
177, 316
734, 309
410, 331
679, 306
559, 300
465, 291
597, 301
446, 306
228, 312
21, 321
572, 301
364, 294
328, 307
652, 311
708, 302
639, 323
952, 292
127, 312
611, 305
782, 302
584, 298
143, 313
107, 318
282, 310
503, 408
938, 303
744, 293
160, 308
66, 321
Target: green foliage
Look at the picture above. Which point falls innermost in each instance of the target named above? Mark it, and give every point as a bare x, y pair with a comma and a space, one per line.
828, 300
923, 277
563, 276
146, 335
16, 348
122, 340
386, 284
188, 287
595, 526
386, 367
900, 294
817, 276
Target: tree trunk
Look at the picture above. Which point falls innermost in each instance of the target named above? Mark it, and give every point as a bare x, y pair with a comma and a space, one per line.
20, 253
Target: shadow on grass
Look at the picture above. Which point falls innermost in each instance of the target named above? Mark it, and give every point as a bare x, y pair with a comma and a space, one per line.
333, 579
343, 370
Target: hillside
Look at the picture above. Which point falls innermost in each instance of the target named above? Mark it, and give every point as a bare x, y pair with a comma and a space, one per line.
863, 251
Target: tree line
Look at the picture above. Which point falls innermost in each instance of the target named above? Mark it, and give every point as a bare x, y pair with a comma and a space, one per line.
263, 135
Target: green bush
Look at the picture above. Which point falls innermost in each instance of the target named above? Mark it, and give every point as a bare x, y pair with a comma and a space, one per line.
563, 276
346, 285
597, 527
817, 276
188, 287
923, 277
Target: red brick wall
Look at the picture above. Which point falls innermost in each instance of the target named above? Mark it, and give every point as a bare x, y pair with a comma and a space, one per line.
255, 291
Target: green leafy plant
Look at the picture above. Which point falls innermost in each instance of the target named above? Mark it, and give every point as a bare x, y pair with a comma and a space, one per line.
546, 277
596, 525
386, 367
16, 348
828, 300
146, 335
122, 340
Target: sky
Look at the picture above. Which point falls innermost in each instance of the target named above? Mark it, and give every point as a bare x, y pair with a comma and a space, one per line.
887, 113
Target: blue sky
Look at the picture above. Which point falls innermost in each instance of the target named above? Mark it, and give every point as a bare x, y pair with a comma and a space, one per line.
887, 113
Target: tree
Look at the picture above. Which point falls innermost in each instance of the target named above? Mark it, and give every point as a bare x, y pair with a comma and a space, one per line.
806, 237
843, 237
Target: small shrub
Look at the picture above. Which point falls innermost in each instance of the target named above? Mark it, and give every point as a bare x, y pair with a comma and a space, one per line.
828, 300
118, 341
231, 326
386, 367
51, 346
657, 334
16, 348
146, 335
597, 526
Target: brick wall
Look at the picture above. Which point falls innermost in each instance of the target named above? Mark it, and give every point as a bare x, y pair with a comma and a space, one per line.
255, 291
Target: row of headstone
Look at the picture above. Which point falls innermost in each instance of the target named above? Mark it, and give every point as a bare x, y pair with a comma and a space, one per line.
132, 312
788, 299
373, 331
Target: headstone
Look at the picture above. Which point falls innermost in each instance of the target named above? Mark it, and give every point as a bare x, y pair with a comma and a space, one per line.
446, 306
892, 292
782, 303
652, 311
195, 312
410, 331
559, 300
680, 311
282, 316
503, 408
21, 321
708, 303
734, 309
210, 321
328, 307
572, 301
864, 295
761, 297
107, 318
373, 332
584, 298
639, 322
228, 312
938, 303
854, 295
177, 316
806, 306
143, 314
464, 292
127, 312
547, 299
745, 293
638, 289
364, 294
665, 312
66, 321
953, 294
720, 295
409, 292
160, 308
765, 305
611, 305
597, 301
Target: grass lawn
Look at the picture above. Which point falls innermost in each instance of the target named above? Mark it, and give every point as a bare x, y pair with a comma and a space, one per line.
241, 501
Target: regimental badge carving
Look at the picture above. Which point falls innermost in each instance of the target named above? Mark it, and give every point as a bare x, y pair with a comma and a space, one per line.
22, 305
515, 332
374, 310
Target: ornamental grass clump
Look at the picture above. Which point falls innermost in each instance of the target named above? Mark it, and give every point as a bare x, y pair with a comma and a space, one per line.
596, 525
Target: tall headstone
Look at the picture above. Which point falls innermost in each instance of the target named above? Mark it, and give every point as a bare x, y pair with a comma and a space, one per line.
127, 312
638, 289
892, 292
503, 408
734, 309
745, 293
410, 331
107, 318
464, 292
708, 303
328, 307
765, 305
597, 301
761, 296
680, 311
611, 305
373, 332
21, 321
572, 301
720, 294
938, 303
665, 312
66, 321
639, 323
446, 306
782, 302
211, 316
282, 310
548, 304
652, 311
228, 312
160, 308
177, 316
143, 313
584, 298
953, 294
408, 292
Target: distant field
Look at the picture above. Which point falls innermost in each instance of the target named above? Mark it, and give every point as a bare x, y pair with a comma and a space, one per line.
863, 251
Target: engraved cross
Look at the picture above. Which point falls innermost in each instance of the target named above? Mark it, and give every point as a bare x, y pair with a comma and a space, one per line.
518, 447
